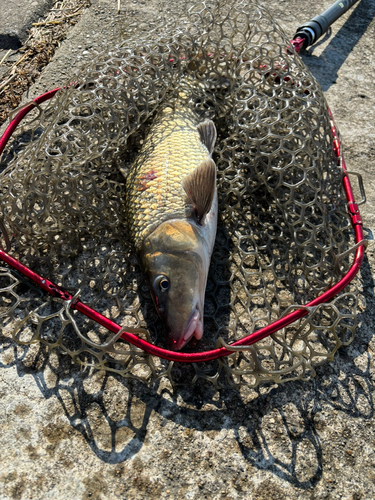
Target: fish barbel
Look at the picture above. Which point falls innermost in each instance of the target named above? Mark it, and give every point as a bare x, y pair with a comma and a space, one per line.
171, 204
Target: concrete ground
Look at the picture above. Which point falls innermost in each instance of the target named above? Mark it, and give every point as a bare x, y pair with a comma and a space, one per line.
71, 436
16, 19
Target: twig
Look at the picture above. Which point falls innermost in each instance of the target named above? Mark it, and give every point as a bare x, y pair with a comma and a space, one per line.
47, 22
62, 9
43, 23
19, 61
5, 84
6, 55
11, 70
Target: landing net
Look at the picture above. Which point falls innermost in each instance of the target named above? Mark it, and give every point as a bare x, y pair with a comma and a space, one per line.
284, 235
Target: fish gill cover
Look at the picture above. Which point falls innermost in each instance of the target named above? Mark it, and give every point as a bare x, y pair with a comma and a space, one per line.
283, 225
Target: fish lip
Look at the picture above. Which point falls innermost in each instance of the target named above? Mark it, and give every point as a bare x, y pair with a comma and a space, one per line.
189, 331
194, 320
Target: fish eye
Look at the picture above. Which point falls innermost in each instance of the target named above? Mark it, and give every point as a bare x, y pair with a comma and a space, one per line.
162, 283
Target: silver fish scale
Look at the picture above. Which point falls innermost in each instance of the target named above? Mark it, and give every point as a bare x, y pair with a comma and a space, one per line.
154, 192
284, 235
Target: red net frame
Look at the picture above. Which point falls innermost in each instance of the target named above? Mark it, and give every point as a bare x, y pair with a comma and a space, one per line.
76, 304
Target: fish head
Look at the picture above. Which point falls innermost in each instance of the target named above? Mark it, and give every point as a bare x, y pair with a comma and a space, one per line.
176, 259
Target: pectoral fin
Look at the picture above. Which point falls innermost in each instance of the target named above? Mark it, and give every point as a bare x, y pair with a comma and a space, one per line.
207, 133
200, 188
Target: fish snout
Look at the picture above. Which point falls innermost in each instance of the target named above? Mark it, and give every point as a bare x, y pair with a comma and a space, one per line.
194, 328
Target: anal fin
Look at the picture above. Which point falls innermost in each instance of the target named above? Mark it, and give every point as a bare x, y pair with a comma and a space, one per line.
200, 188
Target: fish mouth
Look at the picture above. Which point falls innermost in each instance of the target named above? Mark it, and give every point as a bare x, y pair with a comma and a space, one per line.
193, 329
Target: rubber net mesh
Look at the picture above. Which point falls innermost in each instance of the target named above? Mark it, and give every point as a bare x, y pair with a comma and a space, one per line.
283, 224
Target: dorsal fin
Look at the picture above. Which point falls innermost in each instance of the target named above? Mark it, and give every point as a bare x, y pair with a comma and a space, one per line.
200, 188
207, 133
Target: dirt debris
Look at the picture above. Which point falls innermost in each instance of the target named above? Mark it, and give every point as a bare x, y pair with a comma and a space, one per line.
45, 37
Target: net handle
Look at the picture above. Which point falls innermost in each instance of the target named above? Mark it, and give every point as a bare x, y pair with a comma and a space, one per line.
281, 323
310, 32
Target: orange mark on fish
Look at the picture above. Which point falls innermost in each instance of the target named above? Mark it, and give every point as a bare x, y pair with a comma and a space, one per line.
150, 176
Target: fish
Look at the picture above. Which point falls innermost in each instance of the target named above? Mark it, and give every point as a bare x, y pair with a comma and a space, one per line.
172, 209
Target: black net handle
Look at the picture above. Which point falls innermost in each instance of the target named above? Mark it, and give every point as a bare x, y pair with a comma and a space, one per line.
311, 31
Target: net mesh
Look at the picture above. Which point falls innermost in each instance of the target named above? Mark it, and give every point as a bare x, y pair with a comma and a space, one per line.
283, 232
